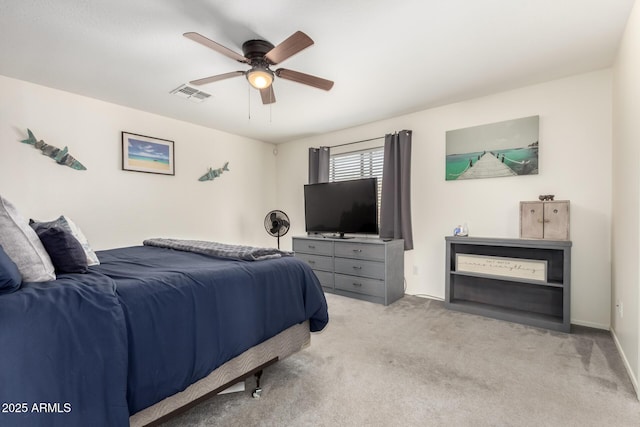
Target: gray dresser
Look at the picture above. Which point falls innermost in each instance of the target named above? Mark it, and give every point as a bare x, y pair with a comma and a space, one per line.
367, 269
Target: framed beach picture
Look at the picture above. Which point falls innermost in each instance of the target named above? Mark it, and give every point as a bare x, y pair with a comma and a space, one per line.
146, 154
493, 150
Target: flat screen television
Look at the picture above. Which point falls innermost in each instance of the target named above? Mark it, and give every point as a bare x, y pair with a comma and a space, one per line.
342, 207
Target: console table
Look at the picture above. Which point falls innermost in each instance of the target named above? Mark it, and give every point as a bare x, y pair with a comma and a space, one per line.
366, 269
520, 280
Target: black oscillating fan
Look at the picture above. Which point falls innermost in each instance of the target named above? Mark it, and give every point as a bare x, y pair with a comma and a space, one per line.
277, 224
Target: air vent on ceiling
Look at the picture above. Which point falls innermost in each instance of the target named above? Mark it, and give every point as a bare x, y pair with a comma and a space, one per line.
190, 93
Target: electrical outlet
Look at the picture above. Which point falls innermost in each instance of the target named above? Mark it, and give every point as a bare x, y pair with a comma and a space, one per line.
619, 307
621, 312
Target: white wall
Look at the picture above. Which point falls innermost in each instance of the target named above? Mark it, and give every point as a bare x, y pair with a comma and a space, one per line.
626, 196
121, 208
575, 164
118, 208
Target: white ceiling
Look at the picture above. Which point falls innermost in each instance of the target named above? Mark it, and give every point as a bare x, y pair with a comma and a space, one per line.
387, 58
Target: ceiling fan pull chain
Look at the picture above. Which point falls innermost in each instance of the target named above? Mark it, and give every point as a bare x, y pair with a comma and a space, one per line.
249, 100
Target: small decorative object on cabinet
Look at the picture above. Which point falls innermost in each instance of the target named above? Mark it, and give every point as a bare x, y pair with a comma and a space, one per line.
544, 220
367, 269
461, 230
519, 280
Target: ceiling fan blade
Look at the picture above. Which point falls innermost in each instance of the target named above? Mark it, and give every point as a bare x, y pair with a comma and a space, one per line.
215, 46
268, 97
305, 79
294, 44
216, 78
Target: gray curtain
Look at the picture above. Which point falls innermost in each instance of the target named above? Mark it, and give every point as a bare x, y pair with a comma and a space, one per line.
319, 165
395, 209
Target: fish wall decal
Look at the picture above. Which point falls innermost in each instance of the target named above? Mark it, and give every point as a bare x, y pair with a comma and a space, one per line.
214, 173
62, 157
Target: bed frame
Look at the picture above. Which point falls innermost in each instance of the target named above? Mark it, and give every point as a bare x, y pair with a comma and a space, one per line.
249, 363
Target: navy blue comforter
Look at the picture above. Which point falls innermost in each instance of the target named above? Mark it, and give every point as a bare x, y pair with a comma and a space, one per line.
91, 349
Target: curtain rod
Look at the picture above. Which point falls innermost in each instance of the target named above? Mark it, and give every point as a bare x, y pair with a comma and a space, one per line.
356, 142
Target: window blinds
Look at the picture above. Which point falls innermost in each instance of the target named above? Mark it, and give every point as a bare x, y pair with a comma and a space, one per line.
358, 164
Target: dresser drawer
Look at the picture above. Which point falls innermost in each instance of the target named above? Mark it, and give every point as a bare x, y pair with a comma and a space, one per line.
317, 262
356, 267
315, 247
366, 269
360, 285
360, 251
325, 278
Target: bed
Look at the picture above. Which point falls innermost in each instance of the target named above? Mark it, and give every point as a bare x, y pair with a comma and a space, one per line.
146, 332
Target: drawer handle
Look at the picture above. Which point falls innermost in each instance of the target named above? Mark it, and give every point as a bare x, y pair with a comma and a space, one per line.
311, 247
357, 267
311, 262
540, 221
357, 284
357, 250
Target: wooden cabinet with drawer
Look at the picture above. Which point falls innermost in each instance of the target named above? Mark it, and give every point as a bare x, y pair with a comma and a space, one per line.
544, 220
368, 269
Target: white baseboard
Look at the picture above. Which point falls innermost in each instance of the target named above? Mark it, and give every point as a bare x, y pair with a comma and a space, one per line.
634, 380
590, 324
427, 296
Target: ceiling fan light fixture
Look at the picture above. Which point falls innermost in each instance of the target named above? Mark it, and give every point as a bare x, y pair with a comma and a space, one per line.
260, 55
260, 78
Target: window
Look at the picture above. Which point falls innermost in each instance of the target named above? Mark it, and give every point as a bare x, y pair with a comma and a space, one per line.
358, 164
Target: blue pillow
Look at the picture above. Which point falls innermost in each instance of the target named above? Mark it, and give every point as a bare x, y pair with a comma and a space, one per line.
10, 278
65, 251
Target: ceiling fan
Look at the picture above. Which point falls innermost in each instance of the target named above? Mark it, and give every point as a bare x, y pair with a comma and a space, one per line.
260, 55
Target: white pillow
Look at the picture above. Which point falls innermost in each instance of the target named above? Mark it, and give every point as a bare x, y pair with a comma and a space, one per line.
23, 246
92, 258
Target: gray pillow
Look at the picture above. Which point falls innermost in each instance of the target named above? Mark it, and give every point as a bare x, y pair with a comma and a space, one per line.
23, 246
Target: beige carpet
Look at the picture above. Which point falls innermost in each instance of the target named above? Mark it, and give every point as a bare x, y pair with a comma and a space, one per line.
415, 363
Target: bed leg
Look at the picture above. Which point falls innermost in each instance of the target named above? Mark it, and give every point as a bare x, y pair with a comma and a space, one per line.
258, 390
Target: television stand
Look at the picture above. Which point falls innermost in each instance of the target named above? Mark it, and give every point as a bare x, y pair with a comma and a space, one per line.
366, 269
